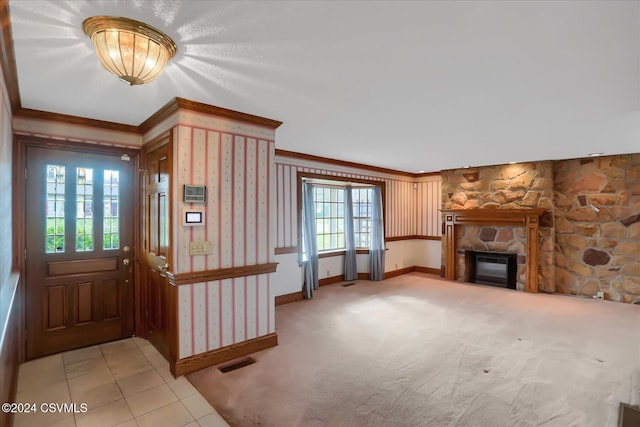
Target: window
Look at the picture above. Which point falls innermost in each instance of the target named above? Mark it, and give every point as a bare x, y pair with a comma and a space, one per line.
84, 211
329, 215
54, 239
362, 216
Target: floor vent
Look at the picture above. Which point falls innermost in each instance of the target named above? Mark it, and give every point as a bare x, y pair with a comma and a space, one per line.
348, 284
629, 416
237, 365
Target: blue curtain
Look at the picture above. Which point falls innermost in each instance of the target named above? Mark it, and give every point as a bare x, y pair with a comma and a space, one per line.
376, 251
309, 255
350, 267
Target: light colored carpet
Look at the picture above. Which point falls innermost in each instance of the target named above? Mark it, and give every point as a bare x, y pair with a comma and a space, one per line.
415, 350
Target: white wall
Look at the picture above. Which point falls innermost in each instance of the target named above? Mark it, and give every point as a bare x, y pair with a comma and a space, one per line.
400, 254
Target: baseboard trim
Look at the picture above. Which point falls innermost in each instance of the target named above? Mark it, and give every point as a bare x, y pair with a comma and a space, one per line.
224, 354
428, 270
399, 272
287, 298
330, 280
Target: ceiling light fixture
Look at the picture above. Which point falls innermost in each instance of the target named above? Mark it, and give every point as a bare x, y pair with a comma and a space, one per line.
134, 51
595, 154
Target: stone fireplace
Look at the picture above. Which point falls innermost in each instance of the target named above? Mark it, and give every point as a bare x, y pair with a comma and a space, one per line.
493, 230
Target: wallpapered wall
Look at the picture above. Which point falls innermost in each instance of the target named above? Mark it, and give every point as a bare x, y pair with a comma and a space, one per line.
236, 163
411, 204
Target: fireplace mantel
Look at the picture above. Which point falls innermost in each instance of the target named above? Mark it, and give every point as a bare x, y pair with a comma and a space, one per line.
528, 218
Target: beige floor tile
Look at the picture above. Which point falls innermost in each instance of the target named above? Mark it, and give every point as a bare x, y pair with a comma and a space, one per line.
34, 380
124, 356
43, 364
149, 350
132, 367
140, 382
165, 373
85, 367
197, 406
106, 415
193, 424
99, 396
158, 361
117, 346
53, 392
152, 399
212, 420
39, 418
130, 423
182, 387
140, 342
82, 354
84, 383
173, 415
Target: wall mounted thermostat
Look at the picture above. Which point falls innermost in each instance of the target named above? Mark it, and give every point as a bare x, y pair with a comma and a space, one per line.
194, 193
192, 217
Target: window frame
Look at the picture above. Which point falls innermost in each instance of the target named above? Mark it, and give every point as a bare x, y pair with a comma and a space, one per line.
335, 181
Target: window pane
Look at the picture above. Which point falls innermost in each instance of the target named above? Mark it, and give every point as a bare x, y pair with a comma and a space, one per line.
84, 209
111, 221
362, 216
329, 217
54, 234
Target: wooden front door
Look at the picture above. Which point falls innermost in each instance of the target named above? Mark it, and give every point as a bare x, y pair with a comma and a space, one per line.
79, 249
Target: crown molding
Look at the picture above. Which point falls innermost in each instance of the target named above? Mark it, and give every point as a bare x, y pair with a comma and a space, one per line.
184, 104
344, 163
76, 120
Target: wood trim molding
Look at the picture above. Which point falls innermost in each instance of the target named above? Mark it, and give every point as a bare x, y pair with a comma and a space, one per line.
180, 279
287, 250
411, 237
164, 112
427, 270
343, 163
331, 280
180, 103
399, 272
287, 298
528, 218
8, 58
75, 120
224, 354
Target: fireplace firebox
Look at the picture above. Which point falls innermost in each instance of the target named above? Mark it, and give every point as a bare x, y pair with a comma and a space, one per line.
491, 268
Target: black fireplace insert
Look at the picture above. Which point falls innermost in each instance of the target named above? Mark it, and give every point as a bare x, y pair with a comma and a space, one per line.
491, 268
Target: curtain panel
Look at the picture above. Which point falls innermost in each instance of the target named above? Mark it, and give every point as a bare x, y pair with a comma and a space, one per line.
350, 267
377, 249
309, 255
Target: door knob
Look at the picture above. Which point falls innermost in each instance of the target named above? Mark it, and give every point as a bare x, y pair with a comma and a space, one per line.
126, 249
126, 261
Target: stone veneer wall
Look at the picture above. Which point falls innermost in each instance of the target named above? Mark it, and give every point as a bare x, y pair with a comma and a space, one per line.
590, 235
597, 218
493, 239
516, 186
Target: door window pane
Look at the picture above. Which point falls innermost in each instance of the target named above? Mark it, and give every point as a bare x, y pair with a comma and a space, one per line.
54, 238
84, 209
111, 224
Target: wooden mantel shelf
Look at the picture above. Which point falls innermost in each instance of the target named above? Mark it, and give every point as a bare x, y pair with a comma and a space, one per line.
528, 218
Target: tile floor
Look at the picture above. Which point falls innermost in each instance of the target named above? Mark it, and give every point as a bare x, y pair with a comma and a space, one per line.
123, 383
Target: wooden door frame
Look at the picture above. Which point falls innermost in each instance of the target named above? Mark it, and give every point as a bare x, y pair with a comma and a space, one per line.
20, 145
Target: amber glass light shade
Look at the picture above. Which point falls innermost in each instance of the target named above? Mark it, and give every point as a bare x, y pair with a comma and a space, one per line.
134, 51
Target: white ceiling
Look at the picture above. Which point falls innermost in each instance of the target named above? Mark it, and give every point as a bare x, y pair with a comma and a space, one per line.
405, 85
